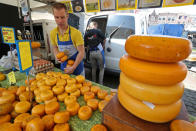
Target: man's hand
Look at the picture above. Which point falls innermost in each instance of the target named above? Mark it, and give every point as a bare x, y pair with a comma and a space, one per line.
56, 51
69, 70
58, 60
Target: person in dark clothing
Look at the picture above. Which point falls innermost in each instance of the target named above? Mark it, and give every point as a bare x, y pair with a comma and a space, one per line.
95, 42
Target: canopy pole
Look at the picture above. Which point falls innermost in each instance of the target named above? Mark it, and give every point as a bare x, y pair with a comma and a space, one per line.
30, 21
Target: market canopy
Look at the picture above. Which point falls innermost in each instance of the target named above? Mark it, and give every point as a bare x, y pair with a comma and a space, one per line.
76, 6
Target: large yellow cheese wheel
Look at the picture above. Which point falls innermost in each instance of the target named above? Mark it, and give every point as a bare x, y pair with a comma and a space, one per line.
158, 114
153, 73
151, 93
158, 48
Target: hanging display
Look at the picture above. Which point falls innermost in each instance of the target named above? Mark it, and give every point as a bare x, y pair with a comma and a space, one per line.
107, 5
172, 3
68, 5
92, 5
8, 35
77, 6
149, 3
24, 7
126, 4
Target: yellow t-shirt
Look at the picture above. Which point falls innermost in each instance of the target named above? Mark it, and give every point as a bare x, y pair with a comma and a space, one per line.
76, 36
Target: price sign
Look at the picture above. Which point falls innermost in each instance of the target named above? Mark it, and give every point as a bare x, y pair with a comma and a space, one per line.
8, 35
12, 78
24, 52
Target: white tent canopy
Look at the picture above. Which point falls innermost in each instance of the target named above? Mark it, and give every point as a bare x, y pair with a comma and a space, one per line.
33, 3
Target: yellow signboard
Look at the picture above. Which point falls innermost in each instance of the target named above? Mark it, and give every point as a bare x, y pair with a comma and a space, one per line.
68, 5
8, 35
92, 5
126, 4
173, 3
12, 78
25, 55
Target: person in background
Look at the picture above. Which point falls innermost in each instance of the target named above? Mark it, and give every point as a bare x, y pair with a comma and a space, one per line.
95, 43
67, 39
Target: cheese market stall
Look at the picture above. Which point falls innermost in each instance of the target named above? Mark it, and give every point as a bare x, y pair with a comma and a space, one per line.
149, 96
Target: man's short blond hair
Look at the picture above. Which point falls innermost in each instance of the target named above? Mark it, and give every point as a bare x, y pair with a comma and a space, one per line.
59, 6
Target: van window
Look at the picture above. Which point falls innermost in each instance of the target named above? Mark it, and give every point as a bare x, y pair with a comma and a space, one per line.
126, 24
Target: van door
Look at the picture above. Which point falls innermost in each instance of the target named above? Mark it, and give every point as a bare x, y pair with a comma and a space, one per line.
119, 27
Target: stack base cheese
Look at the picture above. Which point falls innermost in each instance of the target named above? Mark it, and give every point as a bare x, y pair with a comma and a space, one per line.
158, 114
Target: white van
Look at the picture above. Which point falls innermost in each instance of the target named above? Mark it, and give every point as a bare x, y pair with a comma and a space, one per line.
117, 27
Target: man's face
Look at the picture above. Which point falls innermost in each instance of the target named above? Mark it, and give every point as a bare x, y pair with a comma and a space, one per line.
61, 17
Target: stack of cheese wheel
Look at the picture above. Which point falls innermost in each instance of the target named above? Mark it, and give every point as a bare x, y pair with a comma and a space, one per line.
151, 79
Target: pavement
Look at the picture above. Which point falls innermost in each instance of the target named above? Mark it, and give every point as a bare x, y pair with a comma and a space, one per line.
189, 96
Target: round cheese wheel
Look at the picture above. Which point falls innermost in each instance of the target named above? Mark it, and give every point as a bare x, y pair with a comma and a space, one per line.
85, 112
156, 113
73, 108
8, 98
52, 107
182, 125
93, 103
102, 104
153, 73
158, 48
6, 108
80, 79
151, 93
22, 106
48, 121
60, 55
88, 95
61, 127
38, 110
5, 118
35, 124
98, 127
61, 117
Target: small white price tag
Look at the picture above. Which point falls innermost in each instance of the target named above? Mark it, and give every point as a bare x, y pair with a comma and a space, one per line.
149, 104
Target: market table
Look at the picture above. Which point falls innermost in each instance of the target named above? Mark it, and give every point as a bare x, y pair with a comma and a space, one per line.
75, 123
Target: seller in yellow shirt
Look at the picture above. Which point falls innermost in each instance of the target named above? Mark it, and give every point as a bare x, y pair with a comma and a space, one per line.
66, 38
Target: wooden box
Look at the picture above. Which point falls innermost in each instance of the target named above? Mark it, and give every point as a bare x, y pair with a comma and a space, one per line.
117, 118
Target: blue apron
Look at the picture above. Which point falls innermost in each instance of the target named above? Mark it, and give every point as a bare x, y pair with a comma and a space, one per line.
71, 51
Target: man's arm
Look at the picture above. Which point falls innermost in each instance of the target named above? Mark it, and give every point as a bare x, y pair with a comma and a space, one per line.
79, 58
56, 51
103, 37
54, 45
104, 44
